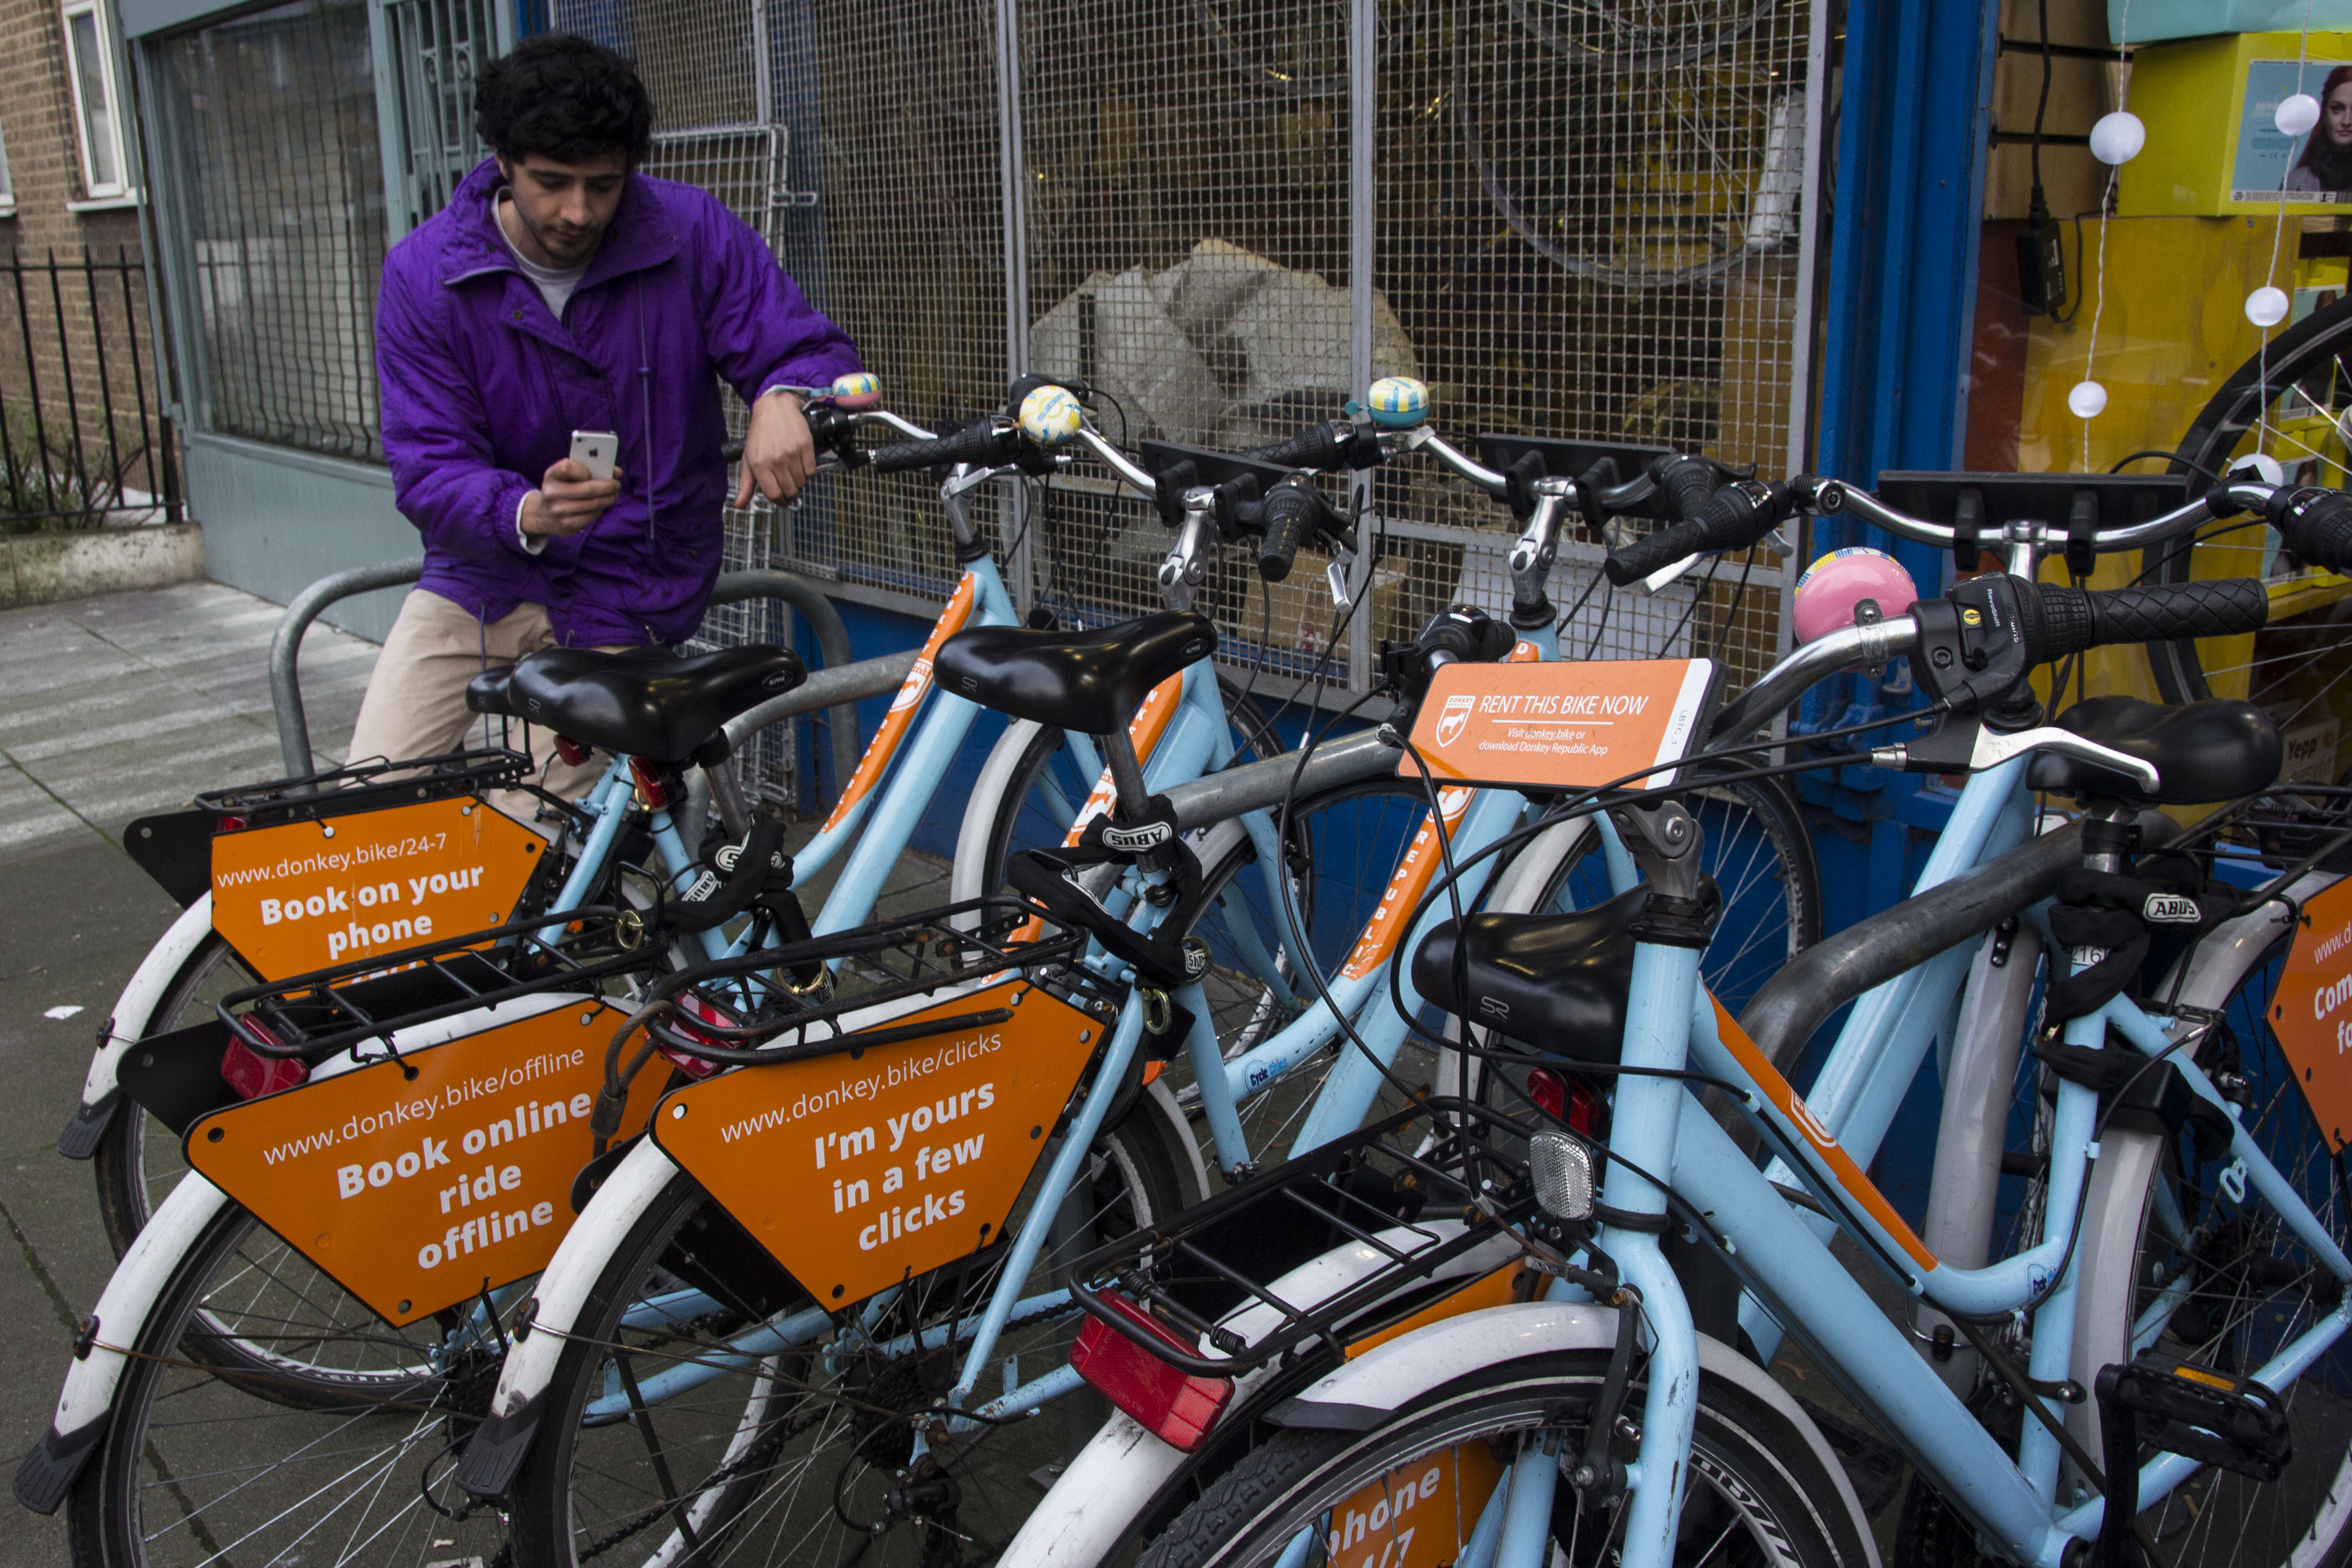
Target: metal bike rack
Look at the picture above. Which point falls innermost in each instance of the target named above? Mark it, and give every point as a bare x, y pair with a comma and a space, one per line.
841, 682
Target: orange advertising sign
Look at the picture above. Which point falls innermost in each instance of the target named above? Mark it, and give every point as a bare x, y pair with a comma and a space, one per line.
1558, 726
417, 1194
1420, 1515
2311, 1012
1406, 884
859, 1168
302, 895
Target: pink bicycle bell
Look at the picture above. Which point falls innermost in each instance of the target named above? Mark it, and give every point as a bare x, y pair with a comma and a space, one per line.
1833, 585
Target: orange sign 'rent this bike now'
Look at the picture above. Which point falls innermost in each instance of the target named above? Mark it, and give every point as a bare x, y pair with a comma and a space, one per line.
859, 1168
303, 896
2311, 1012
1558, 726
417, 1194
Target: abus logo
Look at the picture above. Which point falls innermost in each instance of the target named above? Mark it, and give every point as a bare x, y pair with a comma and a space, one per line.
1455, 718
2169, 909
1148, 836
919, 677
782, 680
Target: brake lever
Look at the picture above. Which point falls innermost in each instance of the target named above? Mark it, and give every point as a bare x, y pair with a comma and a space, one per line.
1666, 574
1990, 748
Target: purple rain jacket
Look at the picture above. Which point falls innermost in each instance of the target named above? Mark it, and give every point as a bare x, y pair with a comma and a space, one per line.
483, 388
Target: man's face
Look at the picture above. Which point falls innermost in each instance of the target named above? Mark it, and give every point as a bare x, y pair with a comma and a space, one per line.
564, 207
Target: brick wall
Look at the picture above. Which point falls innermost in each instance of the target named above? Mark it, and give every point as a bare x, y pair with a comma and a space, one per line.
45, 168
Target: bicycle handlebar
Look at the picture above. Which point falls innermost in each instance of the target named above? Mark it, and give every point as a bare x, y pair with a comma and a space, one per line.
1319, 447
2073, 619
2315, 524
1293, 514
987, 443
1737, 516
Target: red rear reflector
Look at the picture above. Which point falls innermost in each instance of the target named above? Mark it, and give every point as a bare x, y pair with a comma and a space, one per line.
694, 1066
229, 824
649, 783
570, 750
1584, 1109
1174, 1406
1550, 1095
251, 1074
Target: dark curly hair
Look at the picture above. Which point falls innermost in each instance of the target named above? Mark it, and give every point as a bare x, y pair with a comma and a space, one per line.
562, 98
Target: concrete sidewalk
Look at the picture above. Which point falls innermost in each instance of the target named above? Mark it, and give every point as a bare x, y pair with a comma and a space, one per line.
110, 708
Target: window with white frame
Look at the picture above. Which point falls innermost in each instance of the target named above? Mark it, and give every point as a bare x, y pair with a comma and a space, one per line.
7, 191
98, 119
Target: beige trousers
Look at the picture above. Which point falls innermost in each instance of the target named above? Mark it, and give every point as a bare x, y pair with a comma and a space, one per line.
416, 701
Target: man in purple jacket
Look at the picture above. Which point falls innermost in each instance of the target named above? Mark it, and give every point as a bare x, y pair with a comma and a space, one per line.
562, 291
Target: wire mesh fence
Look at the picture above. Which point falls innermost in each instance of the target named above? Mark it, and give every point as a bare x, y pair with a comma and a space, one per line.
1584, 222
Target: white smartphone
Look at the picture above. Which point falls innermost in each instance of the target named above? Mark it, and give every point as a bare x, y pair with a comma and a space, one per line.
593, 450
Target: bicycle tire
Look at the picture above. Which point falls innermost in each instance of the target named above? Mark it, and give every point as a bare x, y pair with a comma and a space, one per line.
196, 1463
1756, 1467
2254, 1288
135, 1144
749, 1426
2315, 356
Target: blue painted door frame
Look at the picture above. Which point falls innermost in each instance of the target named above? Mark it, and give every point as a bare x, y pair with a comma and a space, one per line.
1914, 128
1914, 132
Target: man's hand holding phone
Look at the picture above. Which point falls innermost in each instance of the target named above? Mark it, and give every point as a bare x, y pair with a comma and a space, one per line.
574, 492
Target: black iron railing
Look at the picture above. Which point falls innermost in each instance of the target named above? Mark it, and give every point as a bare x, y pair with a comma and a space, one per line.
84, 440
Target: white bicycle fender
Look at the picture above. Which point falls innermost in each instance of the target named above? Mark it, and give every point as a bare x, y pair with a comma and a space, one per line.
501, 1443
1368, 1390
979, 815
87, 1403
1118, 1476
131, 1020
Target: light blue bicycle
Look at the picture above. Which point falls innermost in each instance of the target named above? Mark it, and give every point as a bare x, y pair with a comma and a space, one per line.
2184, 1281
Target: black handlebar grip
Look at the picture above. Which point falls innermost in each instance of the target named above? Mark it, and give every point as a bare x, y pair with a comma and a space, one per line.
978, 445
1648, 554
1315, 447
1737, 516
1687, 483
2077, 619
2317, 526
730, 451
1291, 515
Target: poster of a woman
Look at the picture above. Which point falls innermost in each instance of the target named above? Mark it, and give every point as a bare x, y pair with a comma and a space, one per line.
2326, 160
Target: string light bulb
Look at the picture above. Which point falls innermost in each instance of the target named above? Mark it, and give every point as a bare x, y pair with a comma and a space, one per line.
2118, 137
2266, 306
2297, 114
2087, 398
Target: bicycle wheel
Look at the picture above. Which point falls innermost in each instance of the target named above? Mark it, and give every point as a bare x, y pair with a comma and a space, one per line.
1339, 846
2223, 1283
2289, 403
203, 1465
805, 1456
1757, 1493
137, 1161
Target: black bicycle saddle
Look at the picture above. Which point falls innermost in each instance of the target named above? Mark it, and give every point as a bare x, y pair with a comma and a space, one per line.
1091, 682
2203, 751
1557, 982
641, 701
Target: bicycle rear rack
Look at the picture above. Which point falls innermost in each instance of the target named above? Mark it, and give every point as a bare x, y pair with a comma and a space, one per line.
364, 786
732, 1012
1420, 1189
315, 1015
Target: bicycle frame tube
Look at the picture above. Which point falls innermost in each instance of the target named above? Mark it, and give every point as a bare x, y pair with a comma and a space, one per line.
980, 600
1642, 1133
608, 802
